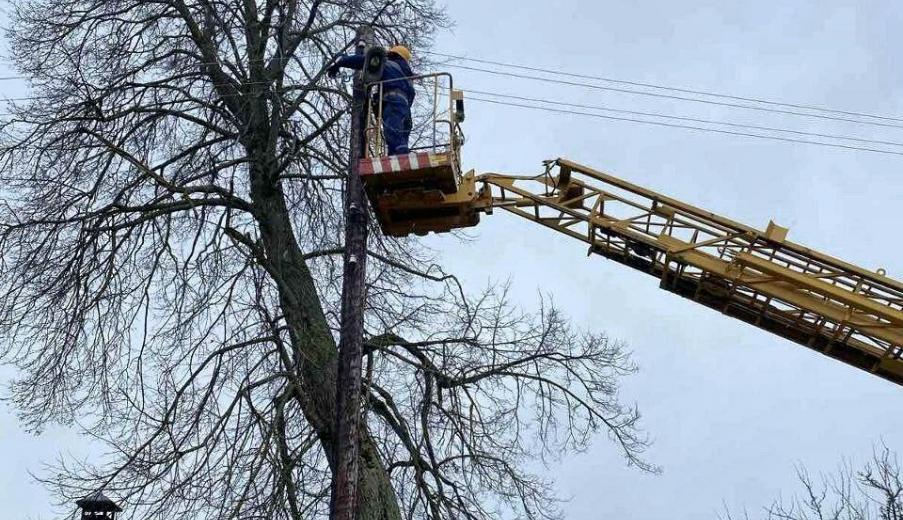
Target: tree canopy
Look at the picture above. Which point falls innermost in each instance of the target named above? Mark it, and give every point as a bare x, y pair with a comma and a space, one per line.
171, 227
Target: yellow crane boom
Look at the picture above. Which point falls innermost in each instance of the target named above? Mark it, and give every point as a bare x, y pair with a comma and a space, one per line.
836, 308
826, 304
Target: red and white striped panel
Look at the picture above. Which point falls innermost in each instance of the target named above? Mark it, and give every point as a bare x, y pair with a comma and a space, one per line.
401, 163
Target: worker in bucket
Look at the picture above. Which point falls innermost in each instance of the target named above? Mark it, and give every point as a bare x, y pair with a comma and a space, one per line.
397, 94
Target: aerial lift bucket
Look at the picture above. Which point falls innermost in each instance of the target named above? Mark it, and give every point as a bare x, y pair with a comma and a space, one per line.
423, 191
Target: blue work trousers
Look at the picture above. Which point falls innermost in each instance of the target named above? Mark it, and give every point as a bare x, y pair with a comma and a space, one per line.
397, 124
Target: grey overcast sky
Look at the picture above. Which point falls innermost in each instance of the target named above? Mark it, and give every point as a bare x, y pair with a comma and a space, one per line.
731, 409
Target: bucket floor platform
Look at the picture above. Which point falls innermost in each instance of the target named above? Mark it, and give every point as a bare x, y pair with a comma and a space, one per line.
421, 193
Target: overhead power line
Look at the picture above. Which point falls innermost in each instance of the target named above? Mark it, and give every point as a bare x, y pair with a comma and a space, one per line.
687, 127
674, 97
686, 119
683, 119
221, 62
669, 88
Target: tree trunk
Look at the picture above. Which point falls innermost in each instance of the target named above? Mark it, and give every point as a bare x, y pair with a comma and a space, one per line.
314, 346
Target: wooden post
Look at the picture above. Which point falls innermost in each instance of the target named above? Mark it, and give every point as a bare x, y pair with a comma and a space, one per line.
348, 391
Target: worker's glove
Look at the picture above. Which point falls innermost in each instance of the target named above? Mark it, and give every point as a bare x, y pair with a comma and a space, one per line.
333, 71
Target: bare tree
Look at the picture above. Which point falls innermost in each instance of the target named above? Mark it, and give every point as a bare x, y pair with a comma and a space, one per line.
874, 492
170, 229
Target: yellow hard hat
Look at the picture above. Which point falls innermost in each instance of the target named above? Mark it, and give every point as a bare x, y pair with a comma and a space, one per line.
402, 51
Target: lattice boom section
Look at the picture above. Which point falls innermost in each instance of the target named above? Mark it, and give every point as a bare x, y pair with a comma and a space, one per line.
759, 277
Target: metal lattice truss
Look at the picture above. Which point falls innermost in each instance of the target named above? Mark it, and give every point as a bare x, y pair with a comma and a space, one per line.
841, 310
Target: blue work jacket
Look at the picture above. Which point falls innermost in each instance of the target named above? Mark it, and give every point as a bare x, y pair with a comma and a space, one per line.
396, 74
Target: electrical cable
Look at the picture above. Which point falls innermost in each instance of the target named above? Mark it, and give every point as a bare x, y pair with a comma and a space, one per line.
665, 87
688, 127
669, 96
35, 98
653, 114
688, 119
215, 85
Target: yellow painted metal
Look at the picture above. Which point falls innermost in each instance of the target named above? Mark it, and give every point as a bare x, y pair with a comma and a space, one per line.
841, 310
776, 232
434, 196
403, 209
824, 303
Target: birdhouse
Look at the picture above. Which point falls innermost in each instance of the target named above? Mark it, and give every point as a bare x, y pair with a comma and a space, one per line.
98, 507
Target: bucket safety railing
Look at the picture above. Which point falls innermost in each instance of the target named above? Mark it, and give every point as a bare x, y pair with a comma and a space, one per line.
436, 115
